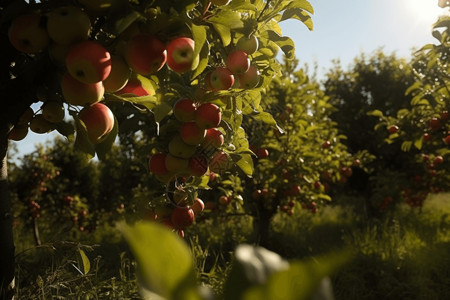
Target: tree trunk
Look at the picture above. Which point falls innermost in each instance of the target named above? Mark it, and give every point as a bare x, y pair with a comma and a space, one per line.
6, 234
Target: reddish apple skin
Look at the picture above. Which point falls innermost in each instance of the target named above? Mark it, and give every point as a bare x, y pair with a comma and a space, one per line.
438, 160
249, 79
262, 153
180, 54
393, 129
198, 165
88, 62
134, 88
145, 54
192, 134
426, 137
214, 138
447, 140
208, 115
99, 121
221, 79
157, 164
184, 110
435, 124
182, 217
78, 93
198, 206
26, 34
238, 62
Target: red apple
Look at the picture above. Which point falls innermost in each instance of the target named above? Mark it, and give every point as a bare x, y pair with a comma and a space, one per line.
238, 62
157, 164
447, 140
249, 79
68, 24
393, 129
198, 165
317, 185
295, 190
180, 54
182, 217
88, 62
184, 110
438, 160
145, 54
134, 88
224, 200
192, 134
262, 153
435, 124
444, 115
99, 121
326, 144
208, 115
214, 138
221, 79
198, 206
27, 35
248, 45
78, 93
426, 137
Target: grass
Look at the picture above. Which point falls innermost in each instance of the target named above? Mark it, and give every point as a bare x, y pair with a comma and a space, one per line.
403, 255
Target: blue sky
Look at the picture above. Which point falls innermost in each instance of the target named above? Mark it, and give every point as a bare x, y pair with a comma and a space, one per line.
344, 29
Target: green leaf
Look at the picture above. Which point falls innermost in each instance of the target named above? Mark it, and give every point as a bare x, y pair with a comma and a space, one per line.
298, 14
85, 263
300, 281
105, 145
82, 142
161, 111
203, 61
266, 118
285, 43
122, 24
406, 146
65, 128
199, 36
375, 113
303, 4
418, 143
223, 22
245, 163
164, 261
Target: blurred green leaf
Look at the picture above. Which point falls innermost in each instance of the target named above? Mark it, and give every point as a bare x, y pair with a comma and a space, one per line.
85, 263
164, 261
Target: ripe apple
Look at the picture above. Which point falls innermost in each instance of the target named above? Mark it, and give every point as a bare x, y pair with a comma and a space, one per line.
249, 79
27, 35
220, 162
176, 164
435, 123
257, 194
192, 134
220, 2
444, 115
248, 44
426, 137
182, 217
119, 75
317, 185
180, 54
134, 88
224, 200
53, 111
393, 129
180, 149
447, 140
157, 164
221, 79
238, 62
99, 121
198, 165
184, 110
295, 190
18, 133
438, 160
262, 153
68, 24
78, 93
88, 62
145, 54
326, 144
208, 115
214, 138
40, 125
198, 206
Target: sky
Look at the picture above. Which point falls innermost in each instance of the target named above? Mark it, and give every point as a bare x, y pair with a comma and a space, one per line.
343, 29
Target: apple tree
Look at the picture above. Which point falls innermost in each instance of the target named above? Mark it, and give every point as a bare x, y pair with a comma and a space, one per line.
421, 130
194, 68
